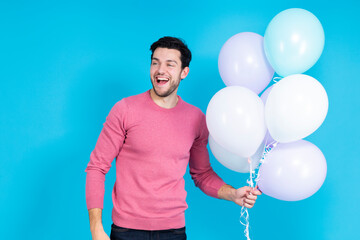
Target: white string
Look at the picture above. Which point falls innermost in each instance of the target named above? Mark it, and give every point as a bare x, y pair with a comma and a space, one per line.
244, 214
276, 79
267, 150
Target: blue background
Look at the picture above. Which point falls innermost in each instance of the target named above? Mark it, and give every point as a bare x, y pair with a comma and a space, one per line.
64, 64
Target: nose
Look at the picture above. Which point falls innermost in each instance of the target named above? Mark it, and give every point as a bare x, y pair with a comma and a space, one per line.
161, 69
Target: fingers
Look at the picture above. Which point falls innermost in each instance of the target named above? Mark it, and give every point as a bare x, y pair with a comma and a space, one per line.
249, 200
248, 205
256, 191
251, 197
247, 188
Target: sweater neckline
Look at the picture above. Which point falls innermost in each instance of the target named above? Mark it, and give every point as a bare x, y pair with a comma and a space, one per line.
177, 106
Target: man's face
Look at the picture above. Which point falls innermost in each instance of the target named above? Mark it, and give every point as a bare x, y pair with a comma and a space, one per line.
166, 72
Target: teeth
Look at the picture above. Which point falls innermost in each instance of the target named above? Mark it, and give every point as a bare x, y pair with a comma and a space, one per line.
162, 79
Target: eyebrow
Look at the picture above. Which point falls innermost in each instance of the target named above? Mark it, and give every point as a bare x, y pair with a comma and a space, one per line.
165, 61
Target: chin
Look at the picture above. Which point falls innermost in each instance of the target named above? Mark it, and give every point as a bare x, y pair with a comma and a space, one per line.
164, 94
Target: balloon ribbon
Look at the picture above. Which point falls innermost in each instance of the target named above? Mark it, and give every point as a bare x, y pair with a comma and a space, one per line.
244, 214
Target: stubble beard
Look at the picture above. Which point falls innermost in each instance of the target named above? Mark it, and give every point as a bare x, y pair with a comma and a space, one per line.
171, 89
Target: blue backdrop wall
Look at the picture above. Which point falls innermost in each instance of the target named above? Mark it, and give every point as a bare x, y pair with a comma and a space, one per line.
64, 64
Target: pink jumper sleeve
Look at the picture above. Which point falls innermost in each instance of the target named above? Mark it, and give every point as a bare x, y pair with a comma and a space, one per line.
108, 146
200, 169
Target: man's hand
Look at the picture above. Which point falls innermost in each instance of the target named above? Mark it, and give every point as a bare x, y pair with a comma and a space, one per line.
245, 196
99, 235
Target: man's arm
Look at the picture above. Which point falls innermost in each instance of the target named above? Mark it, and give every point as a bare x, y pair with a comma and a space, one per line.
96, 227
245, 196
208, 181
108, 146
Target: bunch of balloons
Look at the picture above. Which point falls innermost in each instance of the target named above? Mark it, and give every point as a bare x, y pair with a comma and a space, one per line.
242, 124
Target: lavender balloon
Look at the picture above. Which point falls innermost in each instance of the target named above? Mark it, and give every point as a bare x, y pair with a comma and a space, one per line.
292, 171
242, 62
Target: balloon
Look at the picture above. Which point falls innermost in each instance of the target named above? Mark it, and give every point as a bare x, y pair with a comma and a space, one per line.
268, 138
242, 62
292, 171
235, 119
296, 106
293, 41
233, 161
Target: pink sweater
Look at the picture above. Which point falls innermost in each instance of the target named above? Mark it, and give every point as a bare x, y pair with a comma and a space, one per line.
153, 147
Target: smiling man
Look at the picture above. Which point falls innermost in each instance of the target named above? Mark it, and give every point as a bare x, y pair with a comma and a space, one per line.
154, 136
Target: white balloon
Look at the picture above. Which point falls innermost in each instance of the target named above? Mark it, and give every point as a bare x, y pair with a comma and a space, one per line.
235, 119
233, 161
296, 106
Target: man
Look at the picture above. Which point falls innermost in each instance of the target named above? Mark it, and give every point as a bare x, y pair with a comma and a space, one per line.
154, 135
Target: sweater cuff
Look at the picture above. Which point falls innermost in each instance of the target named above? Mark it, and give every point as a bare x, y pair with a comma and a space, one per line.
95, 189
213, 191
94, 202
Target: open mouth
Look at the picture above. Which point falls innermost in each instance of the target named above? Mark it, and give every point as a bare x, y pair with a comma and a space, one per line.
162, 80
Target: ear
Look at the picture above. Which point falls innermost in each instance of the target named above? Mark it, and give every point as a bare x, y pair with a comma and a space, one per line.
184, 72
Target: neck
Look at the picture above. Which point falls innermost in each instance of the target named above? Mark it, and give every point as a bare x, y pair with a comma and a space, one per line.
165, 102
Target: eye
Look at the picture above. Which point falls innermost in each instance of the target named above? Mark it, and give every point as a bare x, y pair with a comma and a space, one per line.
154, 63
170, 65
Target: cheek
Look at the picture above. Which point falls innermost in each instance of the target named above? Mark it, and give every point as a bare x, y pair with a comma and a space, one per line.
152, 71
177, 72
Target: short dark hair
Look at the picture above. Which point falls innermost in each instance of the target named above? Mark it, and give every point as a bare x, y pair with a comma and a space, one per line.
173, 43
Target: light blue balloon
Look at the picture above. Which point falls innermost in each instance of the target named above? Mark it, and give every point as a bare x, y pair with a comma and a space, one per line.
293, 41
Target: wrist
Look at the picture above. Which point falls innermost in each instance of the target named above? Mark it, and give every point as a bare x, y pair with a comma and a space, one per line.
95, 227
95, 219
227, 192
232, 194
